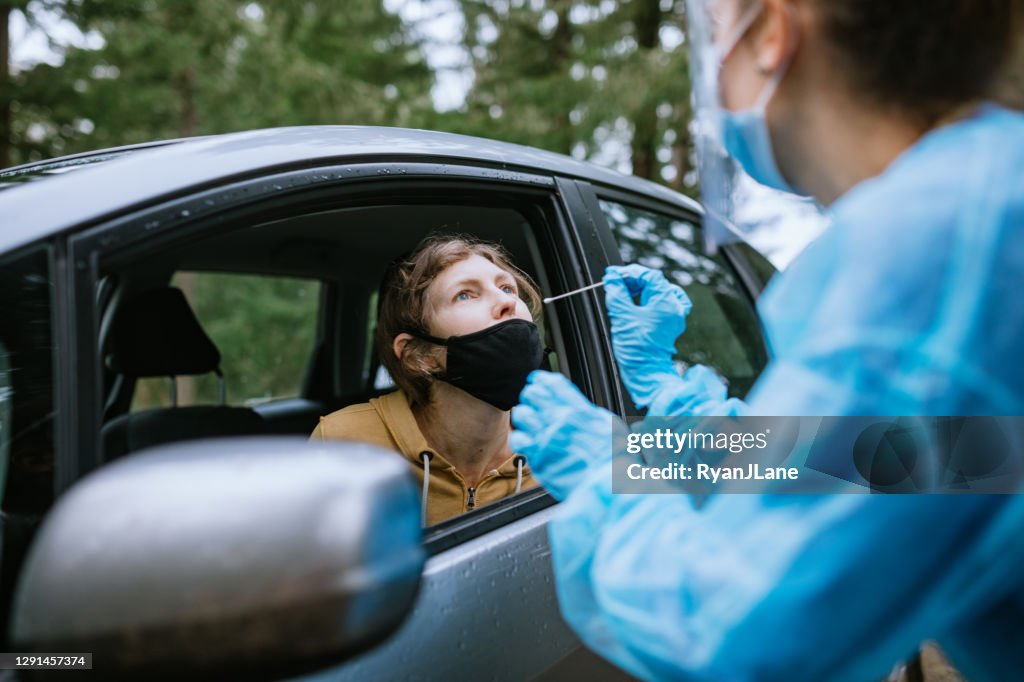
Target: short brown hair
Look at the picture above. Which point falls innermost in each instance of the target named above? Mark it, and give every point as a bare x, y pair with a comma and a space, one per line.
922, 58
402, 305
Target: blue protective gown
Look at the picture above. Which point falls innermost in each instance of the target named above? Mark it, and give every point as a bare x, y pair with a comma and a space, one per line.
911, 303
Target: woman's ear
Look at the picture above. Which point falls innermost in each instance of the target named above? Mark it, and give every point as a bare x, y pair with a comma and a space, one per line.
399, 343
431, 360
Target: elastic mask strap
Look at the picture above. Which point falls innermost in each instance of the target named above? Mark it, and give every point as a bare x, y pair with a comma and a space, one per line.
742, 26
428, 338
436, 341
771, 86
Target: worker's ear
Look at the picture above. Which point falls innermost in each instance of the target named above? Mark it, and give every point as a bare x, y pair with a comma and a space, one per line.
775, 35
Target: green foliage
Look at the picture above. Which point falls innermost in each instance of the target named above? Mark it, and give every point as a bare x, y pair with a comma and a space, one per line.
173, 68
574, 75
580, 77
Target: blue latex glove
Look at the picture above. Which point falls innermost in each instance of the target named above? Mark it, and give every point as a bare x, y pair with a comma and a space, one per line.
699, 393
560, 432
644, 336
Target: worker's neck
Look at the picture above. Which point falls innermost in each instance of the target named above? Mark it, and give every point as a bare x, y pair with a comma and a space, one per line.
868, 141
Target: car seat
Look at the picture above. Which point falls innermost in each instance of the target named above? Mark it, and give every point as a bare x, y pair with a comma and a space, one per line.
157, 334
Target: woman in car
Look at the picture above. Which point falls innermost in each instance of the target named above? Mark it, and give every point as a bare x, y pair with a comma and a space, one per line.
455, 331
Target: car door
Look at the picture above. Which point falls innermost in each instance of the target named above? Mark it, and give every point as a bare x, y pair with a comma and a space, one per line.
487, 602
31, 340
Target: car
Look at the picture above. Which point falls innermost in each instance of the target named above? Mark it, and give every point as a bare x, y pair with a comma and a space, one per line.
186, 528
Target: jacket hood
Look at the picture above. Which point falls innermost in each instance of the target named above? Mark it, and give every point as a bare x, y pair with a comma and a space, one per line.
395, 412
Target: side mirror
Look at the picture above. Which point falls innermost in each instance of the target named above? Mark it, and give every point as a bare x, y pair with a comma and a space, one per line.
263, 557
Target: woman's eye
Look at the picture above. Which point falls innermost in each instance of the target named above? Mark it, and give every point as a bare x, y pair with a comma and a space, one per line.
462, 296
509, 289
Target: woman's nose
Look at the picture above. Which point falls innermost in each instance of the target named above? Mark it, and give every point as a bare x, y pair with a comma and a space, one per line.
505, 306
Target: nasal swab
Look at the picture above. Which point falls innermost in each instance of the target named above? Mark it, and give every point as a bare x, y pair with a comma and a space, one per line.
549, 299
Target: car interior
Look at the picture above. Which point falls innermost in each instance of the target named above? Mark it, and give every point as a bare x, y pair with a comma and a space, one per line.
154, 325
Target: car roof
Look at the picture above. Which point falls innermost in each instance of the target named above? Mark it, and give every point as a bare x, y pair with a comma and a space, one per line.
110, 181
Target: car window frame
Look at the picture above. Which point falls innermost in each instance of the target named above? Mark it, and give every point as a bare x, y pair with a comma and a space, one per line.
188, 217
749, 284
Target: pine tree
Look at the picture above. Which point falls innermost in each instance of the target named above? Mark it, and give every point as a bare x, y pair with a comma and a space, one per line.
579, 76
173, 68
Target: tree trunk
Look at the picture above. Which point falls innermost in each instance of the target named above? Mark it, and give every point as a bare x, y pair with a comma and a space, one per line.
562, 54
645, 143
189, 115
647, 21
5, 87
681, 148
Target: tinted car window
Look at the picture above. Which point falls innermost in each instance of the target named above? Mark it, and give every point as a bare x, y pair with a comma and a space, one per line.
26, 382
723, 330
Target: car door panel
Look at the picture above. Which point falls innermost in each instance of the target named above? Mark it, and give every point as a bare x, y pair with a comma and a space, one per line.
486, 610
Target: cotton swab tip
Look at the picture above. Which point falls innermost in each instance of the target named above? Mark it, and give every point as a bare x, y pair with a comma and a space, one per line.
549, 299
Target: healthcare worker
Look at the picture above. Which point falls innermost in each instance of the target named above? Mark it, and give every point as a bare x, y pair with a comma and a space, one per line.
908, 304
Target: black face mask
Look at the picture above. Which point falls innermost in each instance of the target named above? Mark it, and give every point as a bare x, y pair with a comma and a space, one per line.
493, 363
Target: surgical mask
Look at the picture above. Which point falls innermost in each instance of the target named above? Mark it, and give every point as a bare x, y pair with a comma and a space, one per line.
493, 363
744, 134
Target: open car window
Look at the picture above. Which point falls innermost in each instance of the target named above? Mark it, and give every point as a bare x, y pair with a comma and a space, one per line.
288, 302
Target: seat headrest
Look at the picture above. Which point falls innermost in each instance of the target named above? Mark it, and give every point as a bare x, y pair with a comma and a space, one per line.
157, 334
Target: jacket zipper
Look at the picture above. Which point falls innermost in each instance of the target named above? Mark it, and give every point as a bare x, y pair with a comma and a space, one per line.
471, 492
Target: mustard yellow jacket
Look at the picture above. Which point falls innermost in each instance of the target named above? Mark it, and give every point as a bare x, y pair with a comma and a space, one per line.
388, 421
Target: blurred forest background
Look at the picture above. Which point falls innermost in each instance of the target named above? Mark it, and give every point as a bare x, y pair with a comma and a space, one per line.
604, 80
601, 80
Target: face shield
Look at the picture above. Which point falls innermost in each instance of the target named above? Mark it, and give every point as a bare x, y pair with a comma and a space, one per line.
737, 208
